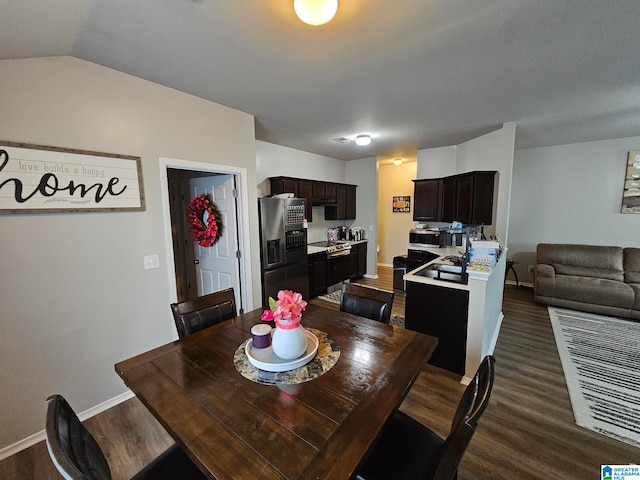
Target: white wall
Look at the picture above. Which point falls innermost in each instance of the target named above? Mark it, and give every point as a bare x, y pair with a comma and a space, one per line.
436, 162
75, 298
393, 235
364, 173
570, 194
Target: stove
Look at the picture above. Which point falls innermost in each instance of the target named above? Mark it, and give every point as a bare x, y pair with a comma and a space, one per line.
334, 249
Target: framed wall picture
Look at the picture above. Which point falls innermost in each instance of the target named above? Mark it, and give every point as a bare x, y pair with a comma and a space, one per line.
631, 192
41, 179
402, 204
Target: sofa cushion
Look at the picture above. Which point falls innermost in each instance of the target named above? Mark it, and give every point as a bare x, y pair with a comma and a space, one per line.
632, 265
598, 262
586, 290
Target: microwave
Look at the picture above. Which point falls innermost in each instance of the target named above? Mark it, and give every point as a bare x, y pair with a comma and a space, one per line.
436, 238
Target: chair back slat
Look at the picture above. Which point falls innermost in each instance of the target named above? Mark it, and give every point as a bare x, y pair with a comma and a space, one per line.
196, 314
367, 302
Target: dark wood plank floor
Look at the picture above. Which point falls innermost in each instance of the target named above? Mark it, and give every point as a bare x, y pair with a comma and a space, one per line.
527, 432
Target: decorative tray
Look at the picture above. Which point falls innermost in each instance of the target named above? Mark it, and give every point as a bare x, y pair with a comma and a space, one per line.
265, 359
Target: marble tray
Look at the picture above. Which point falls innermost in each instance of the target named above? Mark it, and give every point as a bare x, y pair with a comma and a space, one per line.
265, 359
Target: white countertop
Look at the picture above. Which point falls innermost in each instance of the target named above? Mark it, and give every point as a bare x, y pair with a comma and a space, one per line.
311, 249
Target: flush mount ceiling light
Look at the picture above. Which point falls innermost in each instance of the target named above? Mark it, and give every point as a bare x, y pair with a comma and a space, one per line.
315, 12
363, 140
397, 161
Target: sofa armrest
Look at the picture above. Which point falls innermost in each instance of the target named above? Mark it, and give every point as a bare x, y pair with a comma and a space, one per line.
544, 270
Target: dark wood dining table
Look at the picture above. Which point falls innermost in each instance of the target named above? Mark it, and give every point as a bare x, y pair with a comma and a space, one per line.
235, 428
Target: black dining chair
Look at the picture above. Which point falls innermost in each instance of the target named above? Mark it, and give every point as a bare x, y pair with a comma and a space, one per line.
77, 455
196, 314
368, 302
409, 450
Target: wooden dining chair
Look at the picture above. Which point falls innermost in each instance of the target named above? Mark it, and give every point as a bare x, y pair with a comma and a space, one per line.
196, 314
77, 455
368, 302
409, 450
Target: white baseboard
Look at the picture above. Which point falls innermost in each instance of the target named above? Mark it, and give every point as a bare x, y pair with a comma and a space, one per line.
372, 277
31, 440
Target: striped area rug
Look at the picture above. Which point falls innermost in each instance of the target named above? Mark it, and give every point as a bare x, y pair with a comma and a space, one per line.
601, 362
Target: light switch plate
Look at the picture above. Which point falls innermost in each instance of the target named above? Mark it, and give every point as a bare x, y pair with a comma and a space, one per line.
151, 261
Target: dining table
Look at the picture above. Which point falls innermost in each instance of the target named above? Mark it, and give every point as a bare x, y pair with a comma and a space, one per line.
238, 422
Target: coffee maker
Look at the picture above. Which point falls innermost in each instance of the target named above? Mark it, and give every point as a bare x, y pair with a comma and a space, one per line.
342, 232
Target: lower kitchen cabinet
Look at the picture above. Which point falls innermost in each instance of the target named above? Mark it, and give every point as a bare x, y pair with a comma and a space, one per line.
417, 258
361, 252
317, 274
440, 312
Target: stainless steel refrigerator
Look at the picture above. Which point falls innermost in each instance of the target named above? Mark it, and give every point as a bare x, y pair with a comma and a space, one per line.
283, 246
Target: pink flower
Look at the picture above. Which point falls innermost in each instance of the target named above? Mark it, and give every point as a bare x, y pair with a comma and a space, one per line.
289, 306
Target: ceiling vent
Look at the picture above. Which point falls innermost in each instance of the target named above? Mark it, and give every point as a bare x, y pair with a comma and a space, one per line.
342, 140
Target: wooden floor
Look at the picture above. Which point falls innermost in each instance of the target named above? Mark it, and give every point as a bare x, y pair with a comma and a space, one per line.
527, 432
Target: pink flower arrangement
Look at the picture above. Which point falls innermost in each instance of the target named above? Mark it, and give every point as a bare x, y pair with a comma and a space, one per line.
288, 307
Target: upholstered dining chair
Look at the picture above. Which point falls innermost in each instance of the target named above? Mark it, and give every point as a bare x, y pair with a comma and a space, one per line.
409, 450
368, 302
196, 314
77, 455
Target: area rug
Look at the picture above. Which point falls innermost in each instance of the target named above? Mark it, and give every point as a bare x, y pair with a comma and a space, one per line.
334, 297
601, 361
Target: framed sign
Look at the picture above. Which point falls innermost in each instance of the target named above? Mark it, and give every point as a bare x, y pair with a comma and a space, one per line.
631, 192
40, 179
402, 204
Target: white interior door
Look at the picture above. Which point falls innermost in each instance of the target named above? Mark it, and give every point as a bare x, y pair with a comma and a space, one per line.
218, 267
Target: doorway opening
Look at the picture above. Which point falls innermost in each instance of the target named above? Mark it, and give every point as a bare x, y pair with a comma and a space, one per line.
194, 270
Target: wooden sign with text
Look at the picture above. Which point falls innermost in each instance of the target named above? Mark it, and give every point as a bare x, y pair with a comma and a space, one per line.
40, 179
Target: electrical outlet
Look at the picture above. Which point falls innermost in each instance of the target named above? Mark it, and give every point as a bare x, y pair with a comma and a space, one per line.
151, 261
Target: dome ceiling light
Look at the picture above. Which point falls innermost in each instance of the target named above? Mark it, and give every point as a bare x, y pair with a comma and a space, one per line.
363, 140
315, 12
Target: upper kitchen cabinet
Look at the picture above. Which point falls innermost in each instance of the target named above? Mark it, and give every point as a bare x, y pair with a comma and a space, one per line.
324, 193
345, 208
466, 198
301, 189
338, 199
427, 204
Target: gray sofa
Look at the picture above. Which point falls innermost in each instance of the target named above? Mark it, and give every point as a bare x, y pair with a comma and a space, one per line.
604, 280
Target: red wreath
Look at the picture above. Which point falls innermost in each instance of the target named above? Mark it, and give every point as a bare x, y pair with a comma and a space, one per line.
205, 221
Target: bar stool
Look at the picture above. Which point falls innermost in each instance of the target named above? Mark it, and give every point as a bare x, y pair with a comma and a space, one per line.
510, 264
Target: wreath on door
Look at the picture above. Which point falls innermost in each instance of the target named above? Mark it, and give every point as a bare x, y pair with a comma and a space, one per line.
205, 221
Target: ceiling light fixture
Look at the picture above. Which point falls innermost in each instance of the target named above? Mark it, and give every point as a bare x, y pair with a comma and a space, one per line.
363, 140
315, 12
397, 161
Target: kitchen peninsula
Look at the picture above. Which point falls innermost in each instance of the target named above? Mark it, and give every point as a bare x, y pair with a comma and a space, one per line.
465, 316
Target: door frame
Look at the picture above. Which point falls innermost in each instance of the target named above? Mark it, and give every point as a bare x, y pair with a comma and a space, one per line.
240, 173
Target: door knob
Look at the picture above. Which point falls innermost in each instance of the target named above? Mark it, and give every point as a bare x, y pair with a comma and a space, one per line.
196, 261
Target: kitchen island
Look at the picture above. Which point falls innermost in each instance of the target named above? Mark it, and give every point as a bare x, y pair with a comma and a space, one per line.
465, 316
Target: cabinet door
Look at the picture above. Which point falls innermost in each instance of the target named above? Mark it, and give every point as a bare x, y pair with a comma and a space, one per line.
351, 203
305, 191
464, 203
324, 193
353, 264
317, 274
362, 259
483, 183
426, 204
448, 200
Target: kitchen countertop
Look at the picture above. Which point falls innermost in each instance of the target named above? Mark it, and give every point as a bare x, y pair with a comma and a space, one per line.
311, 249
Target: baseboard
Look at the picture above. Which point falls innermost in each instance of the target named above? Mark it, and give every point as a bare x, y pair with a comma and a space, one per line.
372, 277
31, 440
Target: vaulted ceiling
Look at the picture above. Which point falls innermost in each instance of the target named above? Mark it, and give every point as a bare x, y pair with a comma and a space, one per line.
412, 73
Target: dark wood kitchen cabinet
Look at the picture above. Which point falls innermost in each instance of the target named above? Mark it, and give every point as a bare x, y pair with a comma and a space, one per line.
345, 208
317, 274
324, 193
466, 198
426, 205
441, 312
361, 251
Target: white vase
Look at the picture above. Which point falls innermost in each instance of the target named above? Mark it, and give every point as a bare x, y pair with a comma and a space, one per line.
289, 341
